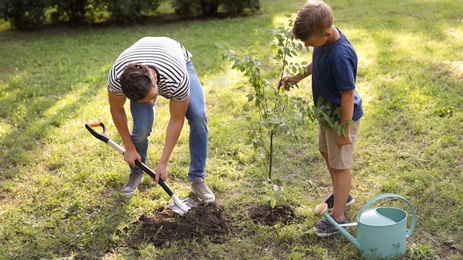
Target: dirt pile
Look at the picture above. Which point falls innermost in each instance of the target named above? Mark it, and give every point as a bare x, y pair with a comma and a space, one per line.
265, 215
202, 220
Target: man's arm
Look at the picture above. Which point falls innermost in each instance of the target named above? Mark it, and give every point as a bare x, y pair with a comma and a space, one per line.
116, 104
177, 118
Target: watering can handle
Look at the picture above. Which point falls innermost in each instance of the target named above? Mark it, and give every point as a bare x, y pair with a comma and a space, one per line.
391, 195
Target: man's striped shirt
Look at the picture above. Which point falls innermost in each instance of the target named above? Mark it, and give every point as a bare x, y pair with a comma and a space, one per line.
167, 56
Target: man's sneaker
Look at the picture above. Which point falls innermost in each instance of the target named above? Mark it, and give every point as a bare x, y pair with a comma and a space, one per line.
132, 183
325, 228
202, 191
330, 201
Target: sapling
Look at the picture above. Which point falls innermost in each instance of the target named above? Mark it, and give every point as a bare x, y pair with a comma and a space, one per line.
278, 112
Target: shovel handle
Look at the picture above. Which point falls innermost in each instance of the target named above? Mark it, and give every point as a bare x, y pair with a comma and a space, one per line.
152, 174
104, 137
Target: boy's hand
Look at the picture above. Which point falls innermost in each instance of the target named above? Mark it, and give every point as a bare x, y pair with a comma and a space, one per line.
286, 82
343, 140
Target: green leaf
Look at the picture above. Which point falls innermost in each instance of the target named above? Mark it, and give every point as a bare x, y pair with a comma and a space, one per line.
343, 131
349, 122
339, 130
273, 203
250, 97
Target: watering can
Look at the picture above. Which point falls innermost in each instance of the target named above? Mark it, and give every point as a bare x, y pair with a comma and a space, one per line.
381, 232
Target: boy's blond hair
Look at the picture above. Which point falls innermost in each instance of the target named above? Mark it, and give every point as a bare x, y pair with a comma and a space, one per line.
313, 19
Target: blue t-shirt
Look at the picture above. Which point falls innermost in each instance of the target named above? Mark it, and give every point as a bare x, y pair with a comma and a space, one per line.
334, 69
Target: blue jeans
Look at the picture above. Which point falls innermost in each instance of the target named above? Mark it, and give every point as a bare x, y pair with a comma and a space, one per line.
143, 120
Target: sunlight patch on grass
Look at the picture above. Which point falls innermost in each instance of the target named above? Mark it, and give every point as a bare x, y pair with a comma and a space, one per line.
4, 128
457, 69
454, 34
365, 47
63, 102
282, 20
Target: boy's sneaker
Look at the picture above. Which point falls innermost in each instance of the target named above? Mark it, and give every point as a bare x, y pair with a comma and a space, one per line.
132, 183
330, 201
325, 228
202, 191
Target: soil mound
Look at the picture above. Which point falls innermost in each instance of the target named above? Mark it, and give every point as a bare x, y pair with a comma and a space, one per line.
202, 220
265, 215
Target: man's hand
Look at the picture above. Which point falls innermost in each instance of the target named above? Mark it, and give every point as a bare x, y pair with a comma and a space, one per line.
161, 172
131, 156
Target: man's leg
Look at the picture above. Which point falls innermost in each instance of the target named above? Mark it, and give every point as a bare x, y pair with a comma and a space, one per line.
198, 141
143, 119
199, 132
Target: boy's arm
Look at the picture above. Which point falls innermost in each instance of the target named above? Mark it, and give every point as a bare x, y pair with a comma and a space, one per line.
307, 72
288, 81
347, 111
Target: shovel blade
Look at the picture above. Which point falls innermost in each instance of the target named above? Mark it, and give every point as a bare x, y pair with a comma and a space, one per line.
182, 206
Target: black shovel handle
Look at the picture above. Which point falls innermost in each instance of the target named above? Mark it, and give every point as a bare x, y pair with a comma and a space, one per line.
104, 137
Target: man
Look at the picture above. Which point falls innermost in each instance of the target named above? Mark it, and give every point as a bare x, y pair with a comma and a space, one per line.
159, 66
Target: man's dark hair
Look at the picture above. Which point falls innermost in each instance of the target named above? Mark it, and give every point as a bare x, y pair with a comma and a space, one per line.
136, 82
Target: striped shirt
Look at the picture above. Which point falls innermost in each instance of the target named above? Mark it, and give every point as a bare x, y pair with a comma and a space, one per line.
168, 57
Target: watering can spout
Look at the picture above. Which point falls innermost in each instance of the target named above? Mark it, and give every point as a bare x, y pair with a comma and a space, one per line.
321, 209
344, 232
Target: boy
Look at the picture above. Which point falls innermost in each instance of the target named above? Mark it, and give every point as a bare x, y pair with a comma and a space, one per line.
333, 70
152, 66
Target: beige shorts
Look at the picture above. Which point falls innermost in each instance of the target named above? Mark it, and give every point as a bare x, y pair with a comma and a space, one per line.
340, 158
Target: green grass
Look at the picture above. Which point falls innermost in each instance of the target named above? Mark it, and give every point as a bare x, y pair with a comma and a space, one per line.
59, 187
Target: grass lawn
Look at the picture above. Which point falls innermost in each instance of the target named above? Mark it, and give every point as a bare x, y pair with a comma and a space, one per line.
60, 187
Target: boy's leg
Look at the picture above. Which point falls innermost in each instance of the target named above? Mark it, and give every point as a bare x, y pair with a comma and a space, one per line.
327, 161
338, 160
341, 180
341, 189
327, 145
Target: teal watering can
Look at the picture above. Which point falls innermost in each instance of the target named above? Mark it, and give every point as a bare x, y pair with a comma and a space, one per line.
381, 232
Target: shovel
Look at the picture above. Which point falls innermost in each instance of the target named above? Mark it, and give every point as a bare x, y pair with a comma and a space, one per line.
180, 206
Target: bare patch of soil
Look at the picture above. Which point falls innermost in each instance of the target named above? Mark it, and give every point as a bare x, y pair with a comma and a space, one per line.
204, 220
265, 215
